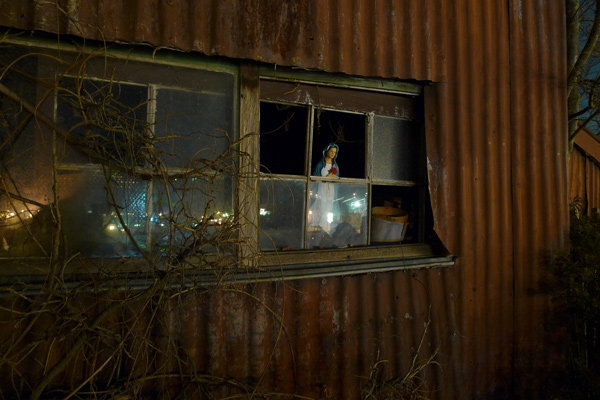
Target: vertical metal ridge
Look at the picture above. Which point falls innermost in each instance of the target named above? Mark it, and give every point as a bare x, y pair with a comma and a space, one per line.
379, 36
539, 202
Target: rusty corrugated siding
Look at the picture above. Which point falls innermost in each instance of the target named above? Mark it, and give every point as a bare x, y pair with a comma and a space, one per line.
381, 38
584, 172
495, 122
584, 183
539, 174
593, 185
578, 177
469, 150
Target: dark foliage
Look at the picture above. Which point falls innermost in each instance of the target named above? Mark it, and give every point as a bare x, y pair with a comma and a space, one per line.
577, 293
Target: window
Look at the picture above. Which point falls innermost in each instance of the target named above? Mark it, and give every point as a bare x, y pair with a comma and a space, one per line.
377, 193
139, 155
143, 158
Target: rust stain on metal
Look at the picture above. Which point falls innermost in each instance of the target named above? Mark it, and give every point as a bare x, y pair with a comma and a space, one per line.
379, 39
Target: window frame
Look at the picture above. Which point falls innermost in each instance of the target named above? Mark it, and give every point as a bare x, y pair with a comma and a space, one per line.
259, 265
125, 62
334, 262
151, 100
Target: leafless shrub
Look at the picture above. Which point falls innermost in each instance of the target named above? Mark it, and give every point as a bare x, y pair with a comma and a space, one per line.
410, 386
76, 325
104, 316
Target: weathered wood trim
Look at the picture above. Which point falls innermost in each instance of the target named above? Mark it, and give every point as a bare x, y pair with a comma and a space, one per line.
347, 255
249, 164
360, 101
341, 80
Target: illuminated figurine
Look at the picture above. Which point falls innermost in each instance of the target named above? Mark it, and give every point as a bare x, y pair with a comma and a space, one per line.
327, 166
324, 209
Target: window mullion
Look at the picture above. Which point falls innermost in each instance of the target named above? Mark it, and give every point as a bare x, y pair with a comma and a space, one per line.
369, 147
309, 140
151, 118
248, 183
369, 170
308, 168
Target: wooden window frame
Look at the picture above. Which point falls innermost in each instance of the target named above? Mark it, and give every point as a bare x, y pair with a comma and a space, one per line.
260, 265
325, 262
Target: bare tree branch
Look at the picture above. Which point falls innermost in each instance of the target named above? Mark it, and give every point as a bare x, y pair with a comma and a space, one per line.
588, 48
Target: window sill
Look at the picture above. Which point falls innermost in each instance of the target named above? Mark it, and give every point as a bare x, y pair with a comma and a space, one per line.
29, 275
343, 262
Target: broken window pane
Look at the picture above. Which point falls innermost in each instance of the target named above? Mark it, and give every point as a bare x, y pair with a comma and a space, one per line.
282, 214
337, 214
396, 204
283, 130
347, 130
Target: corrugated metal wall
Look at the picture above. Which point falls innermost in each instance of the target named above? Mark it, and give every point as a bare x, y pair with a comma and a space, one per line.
327, 347
593, 184
585, 179
358, 37
578, 177
584, 172
496, 123
539, 179
469, 150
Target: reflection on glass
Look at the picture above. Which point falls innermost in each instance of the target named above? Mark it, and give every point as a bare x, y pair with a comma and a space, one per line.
27, 168
108, 120
282, 214
192, 126
153, 211
187, 207
399, 149
337, 214
23, 224
93, 220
